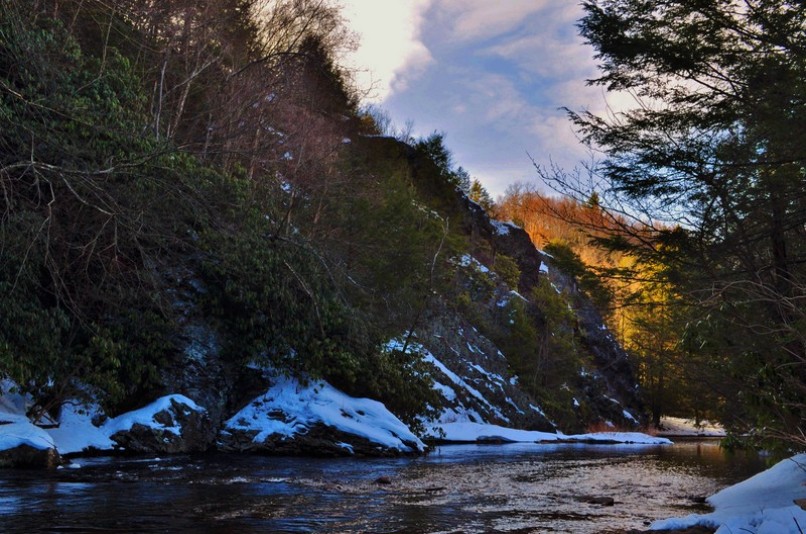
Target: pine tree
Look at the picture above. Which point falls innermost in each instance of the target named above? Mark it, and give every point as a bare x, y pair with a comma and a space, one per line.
719, 145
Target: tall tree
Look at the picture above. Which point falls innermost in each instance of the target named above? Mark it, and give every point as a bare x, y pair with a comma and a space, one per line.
718, 144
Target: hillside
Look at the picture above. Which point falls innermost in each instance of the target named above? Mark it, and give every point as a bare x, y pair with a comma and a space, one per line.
241, 234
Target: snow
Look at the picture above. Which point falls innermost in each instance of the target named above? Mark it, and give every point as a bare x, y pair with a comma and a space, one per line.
678, 426
76, 432
544, 268
145, 415
459, 381
501, 228
629, 416
467, 260
471, 432
763, 504
289, 407
446, 391
17, 431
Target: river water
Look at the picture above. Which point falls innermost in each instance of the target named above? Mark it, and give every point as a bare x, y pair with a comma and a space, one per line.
459, 488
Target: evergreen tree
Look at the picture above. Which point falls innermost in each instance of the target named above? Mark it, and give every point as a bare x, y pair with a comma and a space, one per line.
720, 146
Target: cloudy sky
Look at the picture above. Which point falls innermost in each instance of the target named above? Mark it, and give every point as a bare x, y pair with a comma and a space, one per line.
491, 75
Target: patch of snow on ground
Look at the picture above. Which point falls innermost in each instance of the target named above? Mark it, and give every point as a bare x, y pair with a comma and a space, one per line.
446, 391
628, 415
303, 406
678, 426
544, 268
467, 260
459, 381
763, 504
19, 431
492, 377
503, 228
472, 432
76, 432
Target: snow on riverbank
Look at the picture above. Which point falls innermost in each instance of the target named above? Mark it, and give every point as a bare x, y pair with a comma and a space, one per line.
465, 432
763, 504
289, 408
679, 427
76, 432
16, 431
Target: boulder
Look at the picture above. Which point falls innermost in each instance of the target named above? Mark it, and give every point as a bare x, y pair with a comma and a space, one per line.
316, 419
319, 440
23, 444
170, 425
30, 457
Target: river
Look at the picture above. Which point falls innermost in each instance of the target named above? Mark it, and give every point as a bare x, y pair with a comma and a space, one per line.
458, 488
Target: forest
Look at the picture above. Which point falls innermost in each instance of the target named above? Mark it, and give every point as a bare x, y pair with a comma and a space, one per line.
156, 152
691, 221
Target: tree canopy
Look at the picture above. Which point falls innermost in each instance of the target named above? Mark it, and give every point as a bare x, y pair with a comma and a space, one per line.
712, 163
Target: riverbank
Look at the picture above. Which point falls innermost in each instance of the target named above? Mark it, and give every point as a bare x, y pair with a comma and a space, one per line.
771, 502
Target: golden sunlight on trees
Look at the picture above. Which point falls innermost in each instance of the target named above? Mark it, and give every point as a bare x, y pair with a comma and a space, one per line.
710, 169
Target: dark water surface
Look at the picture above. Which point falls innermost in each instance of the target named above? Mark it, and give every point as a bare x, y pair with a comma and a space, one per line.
459, 488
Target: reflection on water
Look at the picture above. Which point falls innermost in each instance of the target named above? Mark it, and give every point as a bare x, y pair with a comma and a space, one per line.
463, 488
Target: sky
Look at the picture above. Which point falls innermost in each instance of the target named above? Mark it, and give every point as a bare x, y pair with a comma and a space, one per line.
491, 76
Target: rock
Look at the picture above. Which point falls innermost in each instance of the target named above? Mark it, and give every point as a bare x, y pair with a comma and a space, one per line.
30, 457
317, 440
23, 444
601, 501
383, 480
177, 428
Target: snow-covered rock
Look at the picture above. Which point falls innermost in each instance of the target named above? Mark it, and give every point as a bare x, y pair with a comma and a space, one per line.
316, 418
23, 444
171, 424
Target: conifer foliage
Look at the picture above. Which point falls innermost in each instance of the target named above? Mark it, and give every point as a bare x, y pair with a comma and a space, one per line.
716, 152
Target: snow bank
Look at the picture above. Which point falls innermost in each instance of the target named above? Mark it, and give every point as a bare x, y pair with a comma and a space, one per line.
677, 426
16, 430
763, 504
145, 416
289, 408
472, 432
76, 432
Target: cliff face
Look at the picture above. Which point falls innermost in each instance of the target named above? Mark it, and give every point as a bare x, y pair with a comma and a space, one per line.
605, 390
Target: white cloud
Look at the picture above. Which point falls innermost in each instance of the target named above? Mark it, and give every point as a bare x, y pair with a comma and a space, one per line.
477, 19
390, 52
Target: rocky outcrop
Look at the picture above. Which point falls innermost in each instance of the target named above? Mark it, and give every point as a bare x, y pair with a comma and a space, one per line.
23, 444
315, 419
198, 371
173, 424
26, 456
318, 439
610, 388
473, 376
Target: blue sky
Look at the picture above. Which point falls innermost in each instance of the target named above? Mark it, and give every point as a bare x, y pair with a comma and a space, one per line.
491, 75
